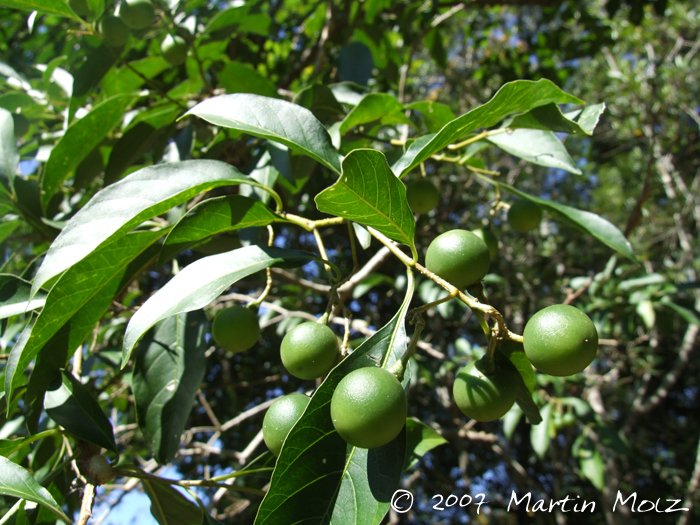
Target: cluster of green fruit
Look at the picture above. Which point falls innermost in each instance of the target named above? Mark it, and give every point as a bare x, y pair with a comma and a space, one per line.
136, 15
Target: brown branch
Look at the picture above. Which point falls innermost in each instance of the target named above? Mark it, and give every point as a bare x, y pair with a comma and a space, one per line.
692, 493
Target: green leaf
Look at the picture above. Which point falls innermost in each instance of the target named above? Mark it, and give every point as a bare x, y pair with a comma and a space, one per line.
369, 193
98, 62
81, 296
140, 196
214, 216
375, 106
200, 283
511, 420
690, 316
128, 149
550, 118
539, 147
52, 7
14, 296
592, 466
18, 483
319, 99
127, 80
435, 115
71, 405
540, 436
168, 369
514, 97
9, 156
595, 225
317, 478
420, 438
369, 282
266, 174
522, 363
238, 77
273, 119
79, 140
170, 507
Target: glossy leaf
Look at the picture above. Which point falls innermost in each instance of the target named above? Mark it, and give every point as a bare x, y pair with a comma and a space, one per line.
367, 192
273, 119
595, 225
14, 296
539, 147
540, 436
550, 118
420, 438
514, 97
140, 196
97, 64
71, 405
522, 363
18, 483
170, 507
168, 369
81, 296
375, 106
80, 139
52, 7
316, 466
214, 216
9, 156
200, 283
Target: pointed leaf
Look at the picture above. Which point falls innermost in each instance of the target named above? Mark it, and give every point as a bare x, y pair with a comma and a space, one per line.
168, 370
550, 118
595, 225
273, 119
368, 192
375, 106
317, 478
81, 137
536, 146
420, 439
18, 483
9, 156
214, 216
80, 297
71, 405
592, 466
122, 206
14, 296
52, 7
200, 283
540, 436
514, 97
170, 507
98, 62
511, 420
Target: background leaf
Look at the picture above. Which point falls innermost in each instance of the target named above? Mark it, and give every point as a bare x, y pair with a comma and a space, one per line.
540, 435
536, 146
9, 156
14, 296
52, 7
170, 507
168, 369
420, 438
375, 106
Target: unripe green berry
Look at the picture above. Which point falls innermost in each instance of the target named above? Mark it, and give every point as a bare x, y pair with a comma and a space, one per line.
422, 196
524, 215
458, 256
137, 14
309, 351
236, 328
174, 49
280, 418
114, 31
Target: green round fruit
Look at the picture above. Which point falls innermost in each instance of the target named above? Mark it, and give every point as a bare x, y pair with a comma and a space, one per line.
309, 351
79, 7
236, 328
114, 31
524, 215
174, 49
560, 340
422, 196
137, 14
369, 407
280, 418
21, 124
484, 397
458, 256
490, 239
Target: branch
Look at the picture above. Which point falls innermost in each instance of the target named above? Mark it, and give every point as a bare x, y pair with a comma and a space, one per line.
692, 492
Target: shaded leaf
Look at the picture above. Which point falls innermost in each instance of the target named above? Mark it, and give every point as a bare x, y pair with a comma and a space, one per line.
420, 438
238, 77
514, 97
128, 149
201, 282
214, 216
540, 436
266, 174
168, 369
367, 192
435, 115
81, 137
511, 420
363, 236
140, 196
319, 99
375, 106
9, 156
52, 7
539, 147
369, 282
595, 225
18, 483
98, 62
170, 507
550, 118
273, 119
14, 296
591, 463
71, 405
690, 316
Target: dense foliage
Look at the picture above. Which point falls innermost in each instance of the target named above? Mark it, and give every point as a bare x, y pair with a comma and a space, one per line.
161, 162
